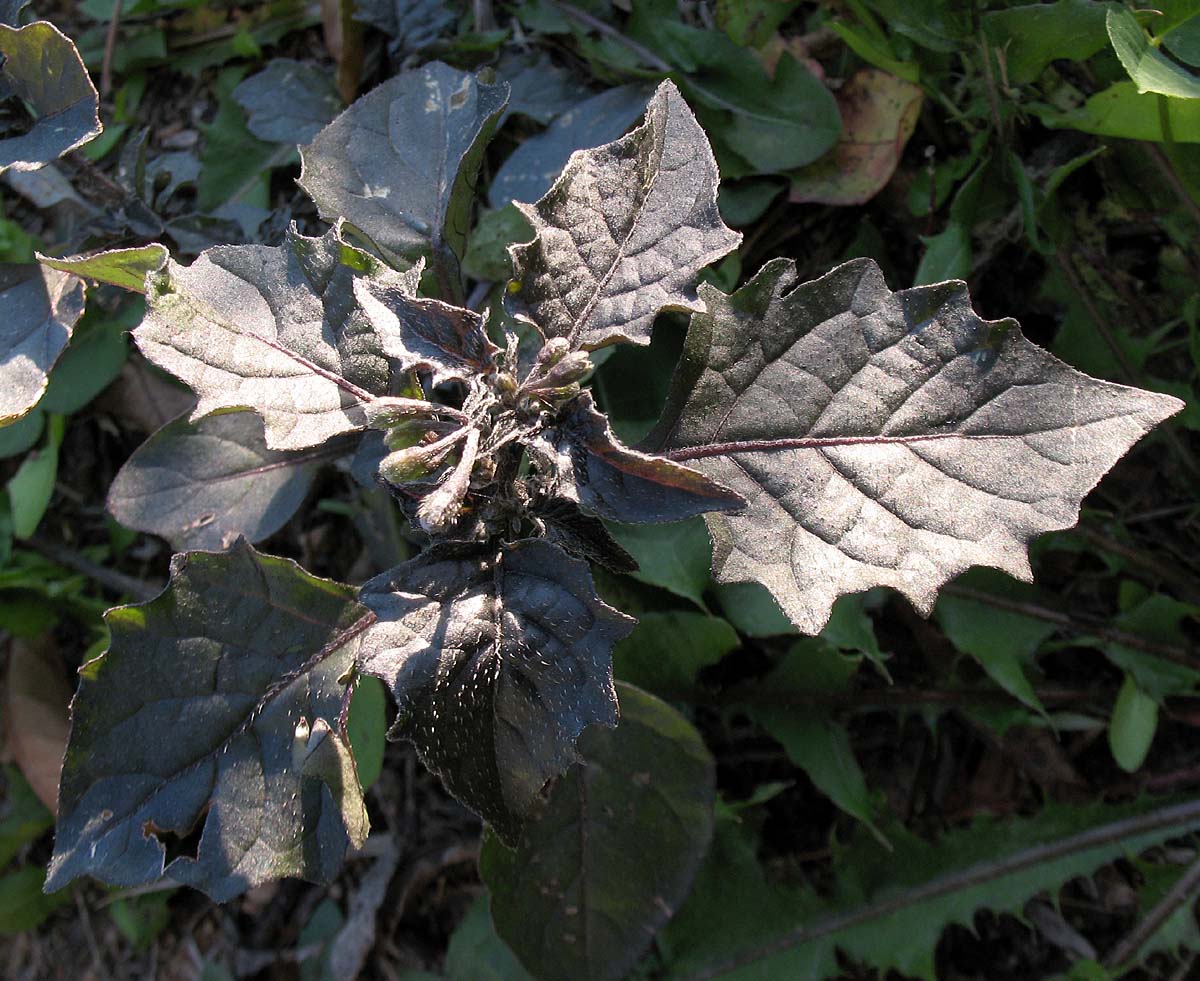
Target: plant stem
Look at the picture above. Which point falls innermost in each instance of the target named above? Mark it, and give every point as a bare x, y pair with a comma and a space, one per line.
116, 582
1163, 819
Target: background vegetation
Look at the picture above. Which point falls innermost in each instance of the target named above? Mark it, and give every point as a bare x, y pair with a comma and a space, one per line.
899, 797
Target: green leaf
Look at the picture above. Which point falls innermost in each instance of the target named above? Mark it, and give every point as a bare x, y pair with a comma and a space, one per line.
666, 650
915, 441
487, 257
277, 330
400, 164
1150, 70
752, 22
236, 166
623, 233
98, 351
1131, 729
675, 556
947, 255
1120, 110
32, 486
201, 485
497, 661
476, 953
1032, 35
613, 851
890, 912
41, 307
240, 661
365, 728
1183, 41
23, 906
127, 268
25, 818
42, 68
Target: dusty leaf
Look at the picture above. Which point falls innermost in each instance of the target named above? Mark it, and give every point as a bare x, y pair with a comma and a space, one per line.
497, 660
202, 484
289, 101
611, 855
884, 438
209, 711
400, 164
41, 308
623, 233
42, 67
276, 330
879, 112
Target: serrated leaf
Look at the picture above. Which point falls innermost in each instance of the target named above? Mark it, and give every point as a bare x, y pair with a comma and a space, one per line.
240, 662
401, 162
532, 167
200, 485
497, 660
623, 233
884, 438
611, 855
126, 268
1150, 69
426, 334
276, 330
593, 468
42, 67
41, 307
289, 101
888, 913
582, 534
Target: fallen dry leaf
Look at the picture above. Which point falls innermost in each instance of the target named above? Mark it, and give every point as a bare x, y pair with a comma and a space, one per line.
36, 715
879, 112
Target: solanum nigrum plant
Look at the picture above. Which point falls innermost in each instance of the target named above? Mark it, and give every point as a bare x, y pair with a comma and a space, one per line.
836, 435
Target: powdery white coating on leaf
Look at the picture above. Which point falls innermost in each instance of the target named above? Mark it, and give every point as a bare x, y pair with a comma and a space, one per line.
497, 662
884, 438
41, 308
624, 232
275, 330
207, 710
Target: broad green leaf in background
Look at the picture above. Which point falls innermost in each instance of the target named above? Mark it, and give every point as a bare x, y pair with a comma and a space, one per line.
889, 913
236, 166
1031, 35
666, 650
126, 268
31, 487
276, 330
365, 728
510, 651
623, 233
879, 113
676, 556
42, 67
487, 257
752, 22
289, 101
476, 953
41, 308
1131, 729
533, 166
202, 484
23, 905
612, 853
1159, 617
239, 661
400, 164
1183, 41
24, 818
1121, 111
99, 348
1149, 68
916, 441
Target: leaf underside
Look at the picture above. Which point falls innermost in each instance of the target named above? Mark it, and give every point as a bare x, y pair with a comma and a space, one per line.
276, 330
200, 485
611, 855
497, 661
213, 707
400, 164
883, 438
623, 233
41, 308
